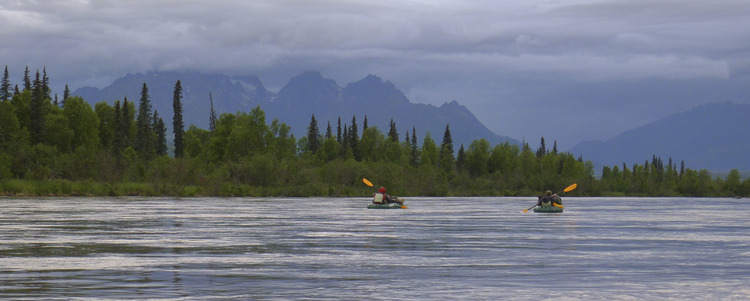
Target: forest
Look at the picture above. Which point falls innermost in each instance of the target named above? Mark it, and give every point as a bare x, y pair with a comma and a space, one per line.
62, 146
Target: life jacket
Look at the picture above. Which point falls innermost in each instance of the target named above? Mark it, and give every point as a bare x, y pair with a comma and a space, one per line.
378, 198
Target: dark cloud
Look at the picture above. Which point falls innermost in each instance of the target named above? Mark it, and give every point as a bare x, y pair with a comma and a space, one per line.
513, 63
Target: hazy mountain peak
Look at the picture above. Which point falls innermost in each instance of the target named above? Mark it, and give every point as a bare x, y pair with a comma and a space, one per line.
713, 136
309, 87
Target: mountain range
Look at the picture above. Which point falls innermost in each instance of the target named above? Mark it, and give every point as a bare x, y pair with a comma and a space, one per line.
304, 95
714, 136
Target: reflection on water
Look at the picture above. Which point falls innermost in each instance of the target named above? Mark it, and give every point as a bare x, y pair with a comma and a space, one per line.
449, 248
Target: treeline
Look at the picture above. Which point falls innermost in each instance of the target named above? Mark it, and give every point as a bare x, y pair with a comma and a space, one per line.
64, 146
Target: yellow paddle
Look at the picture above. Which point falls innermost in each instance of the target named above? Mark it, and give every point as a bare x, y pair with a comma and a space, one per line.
567, 189
368, 183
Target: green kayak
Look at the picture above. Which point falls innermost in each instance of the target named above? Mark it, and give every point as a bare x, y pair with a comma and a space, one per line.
549, 209
384, 206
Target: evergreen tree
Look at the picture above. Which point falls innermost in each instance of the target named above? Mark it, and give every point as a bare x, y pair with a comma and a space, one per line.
354, 138
392, 132
212, 118
344, 142
364, 125
414, 147
554, 147
45, 84
161, 135
447, 159
144, 137
37, 111
338, 131
329, 132
66, 94
178, 127
313, 136
542, 150
461, 159
5, 86
117, 138
125, 125
26, 80
682, 168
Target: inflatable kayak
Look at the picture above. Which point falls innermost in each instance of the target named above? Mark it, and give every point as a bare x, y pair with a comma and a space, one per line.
384, 206
383, 201
548, 209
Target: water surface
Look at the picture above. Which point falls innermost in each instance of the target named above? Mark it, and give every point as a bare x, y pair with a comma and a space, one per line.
336, 249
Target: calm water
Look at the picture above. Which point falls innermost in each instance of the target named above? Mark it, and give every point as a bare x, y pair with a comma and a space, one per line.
313, 248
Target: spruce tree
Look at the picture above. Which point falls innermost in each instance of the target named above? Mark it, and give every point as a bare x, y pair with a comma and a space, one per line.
414, 147
144, 134
26, 80
117, 139
37, 111
447, 159
338, 131
392, 132
461, 159
212, 119
344, 142
364, 125
160, 129
354, 138
542, 150
45, 84
554, 147
329, 132
66, 94
178, 127
313, 136
125, 125
5, 86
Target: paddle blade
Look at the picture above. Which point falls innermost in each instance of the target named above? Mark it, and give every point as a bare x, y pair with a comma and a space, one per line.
557, 205
366, 182
404, 207
526, 210
571, 187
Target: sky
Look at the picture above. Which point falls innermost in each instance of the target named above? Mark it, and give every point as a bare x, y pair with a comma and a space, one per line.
565, 70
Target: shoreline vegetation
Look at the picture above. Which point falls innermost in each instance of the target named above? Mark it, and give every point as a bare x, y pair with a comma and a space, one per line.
52, 146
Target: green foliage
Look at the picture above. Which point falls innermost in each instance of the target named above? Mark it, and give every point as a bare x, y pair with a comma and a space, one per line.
84, 125
108, 150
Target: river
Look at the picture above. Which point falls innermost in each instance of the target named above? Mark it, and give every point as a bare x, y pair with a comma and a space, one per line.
336, 249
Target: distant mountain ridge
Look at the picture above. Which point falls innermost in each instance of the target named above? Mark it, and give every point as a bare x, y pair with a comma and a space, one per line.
304, 95
715, 137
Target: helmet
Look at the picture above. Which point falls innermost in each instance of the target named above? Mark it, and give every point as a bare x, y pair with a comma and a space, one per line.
382, 189
549, 192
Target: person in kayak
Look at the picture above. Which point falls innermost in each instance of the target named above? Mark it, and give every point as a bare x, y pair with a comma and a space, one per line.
556, 200
381, 197
545, 201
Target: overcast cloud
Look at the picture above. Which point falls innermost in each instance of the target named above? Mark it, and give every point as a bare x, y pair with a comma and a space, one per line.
567, 70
